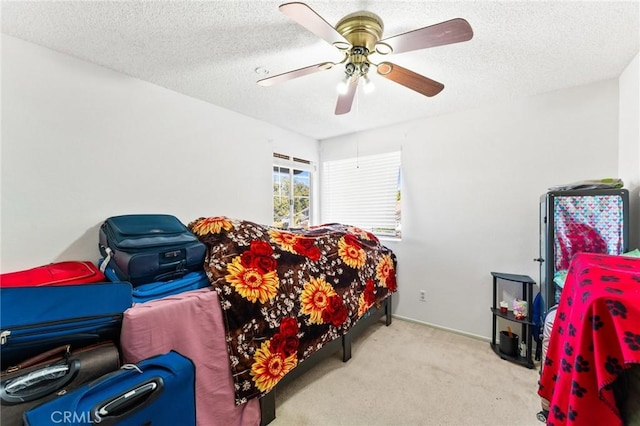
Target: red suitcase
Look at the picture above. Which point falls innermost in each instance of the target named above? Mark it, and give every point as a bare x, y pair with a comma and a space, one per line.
60, 273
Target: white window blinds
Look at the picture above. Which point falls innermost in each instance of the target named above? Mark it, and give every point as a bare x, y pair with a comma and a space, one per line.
364, 192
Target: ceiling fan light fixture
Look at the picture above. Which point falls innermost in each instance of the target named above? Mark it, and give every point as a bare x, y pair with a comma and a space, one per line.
349, 69
367, 85
343, 86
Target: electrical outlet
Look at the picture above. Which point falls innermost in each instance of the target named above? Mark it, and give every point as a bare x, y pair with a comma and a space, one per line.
423, 296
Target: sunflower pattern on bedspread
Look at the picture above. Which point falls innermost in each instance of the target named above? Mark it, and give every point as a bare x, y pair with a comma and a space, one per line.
286, 293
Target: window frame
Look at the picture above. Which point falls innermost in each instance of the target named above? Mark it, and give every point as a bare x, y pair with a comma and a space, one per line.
293, 164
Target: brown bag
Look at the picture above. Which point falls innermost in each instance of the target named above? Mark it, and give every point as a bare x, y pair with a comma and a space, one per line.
51, 374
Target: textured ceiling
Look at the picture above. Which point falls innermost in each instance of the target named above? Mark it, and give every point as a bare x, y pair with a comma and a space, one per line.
210, 50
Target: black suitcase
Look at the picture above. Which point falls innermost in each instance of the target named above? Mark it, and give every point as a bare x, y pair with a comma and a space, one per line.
157, 391
145, 248
50, 374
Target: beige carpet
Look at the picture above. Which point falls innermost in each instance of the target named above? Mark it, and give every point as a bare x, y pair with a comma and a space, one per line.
412, 374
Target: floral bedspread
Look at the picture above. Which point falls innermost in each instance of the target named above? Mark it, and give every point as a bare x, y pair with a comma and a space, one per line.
284, 294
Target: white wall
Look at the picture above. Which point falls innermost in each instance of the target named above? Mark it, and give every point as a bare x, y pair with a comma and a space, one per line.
471, 187
81, 143
629, 153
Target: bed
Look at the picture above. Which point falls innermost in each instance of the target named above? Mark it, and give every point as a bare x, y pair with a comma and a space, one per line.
279, 302
590, 369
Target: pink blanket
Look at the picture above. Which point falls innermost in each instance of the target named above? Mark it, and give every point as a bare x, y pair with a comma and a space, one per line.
191, 324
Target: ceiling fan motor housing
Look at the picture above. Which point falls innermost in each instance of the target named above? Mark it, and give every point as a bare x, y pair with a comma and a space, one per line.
361, 29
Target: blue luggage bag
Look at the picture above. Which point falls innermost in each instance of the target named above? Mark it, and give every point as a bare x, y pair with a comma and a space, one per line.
145, 248
157, 391
36, 319
158, 290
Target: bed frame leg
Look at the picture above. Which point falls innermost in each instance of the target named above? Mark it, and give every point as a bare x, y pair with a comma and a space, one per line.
268, 408
387, 311
346, 347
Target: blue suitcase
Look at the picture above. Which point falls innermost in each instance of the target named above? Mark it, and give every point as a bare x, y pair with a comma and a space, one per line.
145, 248
158, 290
36, 319
157, 391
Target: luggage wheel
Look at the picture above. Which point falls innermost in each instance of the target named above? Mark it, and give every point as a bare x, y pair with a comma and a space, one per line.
542, 416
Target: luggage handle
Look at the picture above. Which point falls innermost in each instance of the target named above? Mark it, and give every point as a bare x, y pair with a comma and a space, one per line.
178, 265
171, 275
33, 385
64, 350
128, 401
105, 262
178, 270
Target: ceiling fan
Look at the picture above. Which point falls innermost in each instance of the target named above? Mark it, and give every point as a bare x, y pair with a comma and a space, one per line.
359, 35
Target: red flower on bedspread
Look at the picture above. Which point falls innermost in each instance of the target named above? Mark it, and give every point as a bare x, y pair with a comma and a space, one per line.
352, 240
391, 282
367, 298
296, 244
362, 233
259, 256
369, 293
306, 247
289, 326
335, 312
253, 273
286, 340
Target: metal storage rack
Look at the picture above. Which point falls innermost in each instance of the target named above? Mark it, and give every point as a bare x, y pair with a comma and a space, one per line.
606, 211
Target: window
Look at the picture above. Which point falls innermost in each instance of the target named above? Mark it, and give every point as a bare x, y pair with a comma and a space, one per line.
364, 192
291, 191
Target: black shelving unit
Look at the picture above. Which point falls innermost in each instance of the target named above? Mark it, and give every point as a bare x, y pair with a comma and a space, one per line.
526, 324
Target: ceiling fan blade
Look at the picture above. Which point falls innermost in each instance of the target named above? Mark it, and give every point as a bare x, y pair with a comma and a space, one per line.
448, 32
308, 18
269, 81
410, 79
345, 100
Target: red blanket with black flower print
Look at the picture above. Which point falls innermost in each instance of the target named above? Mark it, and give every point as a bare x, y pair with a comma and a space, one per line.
285, 294
595, 337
